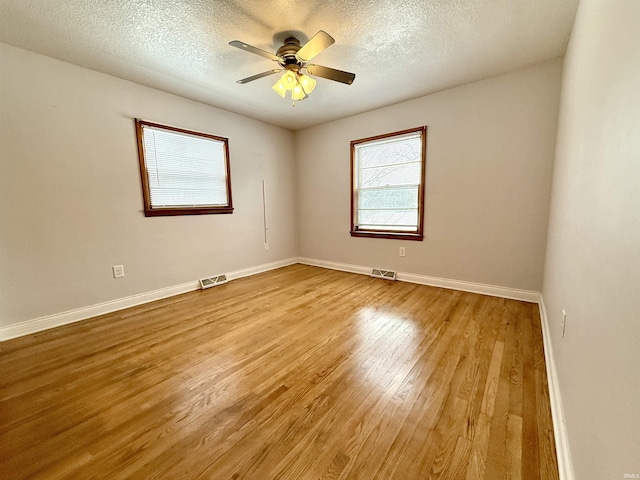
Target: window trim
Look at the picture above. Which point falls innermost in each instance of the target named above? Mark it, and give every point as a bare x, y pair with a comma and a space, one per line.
149, 210
393, 234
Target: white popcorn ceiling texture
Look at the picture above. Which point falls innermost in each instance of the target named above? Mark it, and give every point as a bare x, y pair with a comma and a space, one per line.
398, 49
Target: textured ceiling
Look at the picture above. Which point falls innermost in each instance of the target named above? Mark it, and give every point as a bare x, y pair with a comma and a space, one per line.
398, 49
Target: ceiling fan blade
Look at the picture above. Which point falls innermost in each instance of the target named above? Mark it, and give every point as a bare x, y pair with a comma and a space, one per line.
260, 75
257, 51
314, 46
331, 74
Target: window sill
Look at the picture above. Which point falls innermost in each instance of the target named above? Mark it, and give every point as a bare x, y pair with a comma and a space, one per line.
394, 235
163, 212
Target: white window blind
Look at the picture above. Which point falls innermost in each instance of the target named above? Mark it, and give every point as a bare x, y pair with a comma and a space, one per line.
388, 173
184, 170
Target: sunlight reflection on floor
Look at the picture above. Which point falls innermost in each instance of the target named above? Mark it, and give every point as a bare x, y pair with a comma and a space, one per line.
392, 338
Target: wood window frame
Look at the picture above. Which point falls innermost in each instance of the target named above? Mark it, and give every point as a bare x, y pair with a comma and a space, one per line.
390, 234
149, 209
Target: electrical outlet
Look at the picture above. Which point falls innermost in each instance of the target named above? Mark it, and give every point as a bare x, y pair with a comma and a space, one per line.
118, 271
564, 321
403, 252
266, 247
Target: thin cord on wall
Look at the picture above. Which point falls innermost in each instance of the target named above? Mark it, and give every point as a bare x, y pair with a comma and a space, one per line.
264, 213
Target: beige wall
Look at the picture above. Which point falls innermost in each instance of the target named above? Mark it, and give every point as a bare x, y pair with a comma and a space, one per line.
489, 163
70, 195
593, 255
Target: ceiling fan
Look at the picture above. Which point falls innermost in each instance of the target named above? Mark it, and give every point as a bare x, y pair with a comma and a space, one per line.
293, 60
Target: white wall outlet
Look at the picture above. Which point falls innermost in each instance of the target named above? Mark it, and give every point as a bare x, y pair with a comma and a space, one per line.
266, 247
118, 271
402, 252
564, 321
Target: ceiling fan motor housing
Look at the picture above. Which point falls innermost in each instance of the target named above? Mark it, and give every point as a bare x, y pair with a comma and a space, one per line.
287, 52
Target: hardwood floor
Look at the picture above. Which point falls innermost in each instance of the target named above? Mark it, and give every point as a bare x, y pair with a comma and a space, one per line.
297, 373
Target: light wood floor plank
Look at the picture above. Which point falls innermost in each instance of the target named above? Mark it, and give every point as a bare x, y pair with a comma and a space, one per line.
479, 449
530, 443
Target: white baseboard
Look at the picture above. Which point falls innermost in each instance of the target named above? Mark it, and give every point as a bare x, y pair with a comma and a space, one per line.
343, 267
265, 267
565, 466
51, 321
492, 290
56, 320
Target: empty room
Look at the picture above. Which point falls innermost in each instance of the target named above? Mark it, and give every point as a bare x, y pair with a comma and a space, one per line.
394, 239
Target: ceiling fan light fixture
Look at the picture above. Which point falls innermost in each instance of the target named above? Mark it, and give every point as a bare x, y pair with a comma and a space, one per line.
298, 93
289, 80
279, 88
308, 83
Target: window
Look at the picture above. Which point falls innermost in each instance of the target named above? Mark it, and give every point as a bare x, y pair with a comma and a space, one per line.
387, 178
183, 172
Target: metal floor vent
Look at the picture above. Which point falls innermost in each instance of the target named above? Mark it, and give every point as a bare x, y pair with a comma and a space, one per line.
386, 274
213, 281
